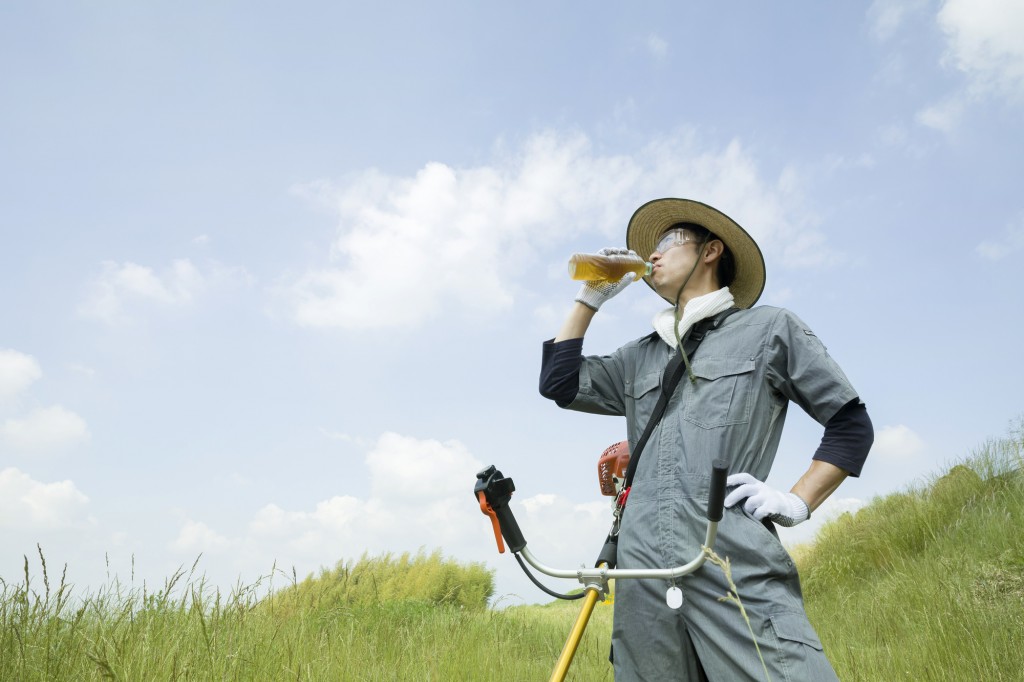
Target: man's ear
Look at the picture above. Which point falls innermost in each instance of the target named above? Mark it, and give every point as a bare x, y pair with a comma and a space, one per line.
713, 251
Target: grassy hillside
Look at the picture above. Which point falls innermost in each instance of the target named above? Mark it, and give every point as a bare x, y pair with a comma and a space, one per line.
926, 584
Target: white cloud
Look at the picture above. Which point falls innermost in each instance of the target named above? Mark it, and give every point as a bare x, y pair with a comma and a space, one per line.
553, 522
410, 247
886, 17
18, 371
897, 442
416, 471
657, 46
419, 495
84, 370
894, 135
196, 538
28, 505
547, 316
44, 430
1012, 241
120, 286
986, 41
340, 436
944, 116
337, 525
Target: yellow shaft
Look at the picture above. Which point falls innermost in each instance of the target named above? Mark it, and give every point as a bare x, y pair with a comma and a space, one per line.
562, 667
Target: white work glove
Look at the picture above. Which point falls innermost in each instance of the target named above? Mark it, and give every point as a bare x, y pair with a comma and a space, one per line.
593, 293
785, 509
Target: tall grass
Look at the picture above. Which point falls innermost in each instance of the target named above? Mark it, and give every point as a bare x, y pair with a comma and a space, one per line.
927, 584
382, 618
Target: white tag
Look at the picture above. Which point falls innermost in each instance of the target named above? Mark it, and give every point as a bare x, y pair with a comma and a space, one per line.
674, 597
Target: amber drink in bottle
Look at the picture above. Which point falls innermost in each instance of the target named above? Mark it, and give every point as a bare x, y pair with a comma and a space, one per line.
592, 266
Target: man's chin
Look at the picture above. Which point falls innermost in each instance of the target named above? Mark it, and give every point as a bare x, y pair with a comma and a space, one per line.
661, 289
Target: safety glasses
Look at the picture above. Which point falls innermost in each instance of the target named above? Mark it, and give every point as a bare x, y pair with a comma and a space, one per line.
672, 238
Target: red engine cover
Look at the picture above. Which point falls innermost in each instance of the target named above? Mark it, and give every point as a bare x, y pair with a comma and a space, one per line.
611, 465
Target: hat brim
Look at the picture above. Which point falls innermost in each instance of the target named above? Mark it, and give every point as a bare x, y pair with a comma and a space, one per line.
651, 220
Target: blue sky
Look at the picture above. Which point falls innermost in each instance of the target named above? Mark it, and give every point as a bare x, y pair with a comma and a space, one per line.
275, 278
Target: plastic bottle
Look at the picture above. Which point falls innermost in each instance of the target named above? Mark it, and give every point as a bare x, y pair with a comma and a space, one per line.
591, 266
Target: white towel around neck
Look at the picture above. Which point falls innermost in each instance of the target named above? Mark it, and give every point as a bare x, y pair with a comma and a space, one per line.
696, 310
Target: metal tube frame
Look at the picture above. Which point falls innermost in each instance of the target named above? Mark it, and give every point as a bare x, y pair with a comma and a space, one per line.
602, 574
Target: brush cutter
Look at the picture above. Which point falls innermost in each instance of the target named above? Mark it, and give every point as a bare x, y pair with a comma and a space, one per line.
493, 491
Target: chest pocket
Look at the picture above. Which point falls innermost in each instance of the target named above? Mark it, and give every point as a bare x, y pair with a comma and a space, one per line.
722, 395
642, 393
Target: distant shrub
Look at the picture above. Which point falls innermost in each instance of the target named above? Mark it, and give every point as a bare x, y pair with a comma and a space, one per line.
429, 579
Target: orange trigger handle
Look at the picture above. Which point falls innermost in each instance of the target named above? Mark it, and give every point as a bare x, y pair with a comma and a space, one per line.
485, 507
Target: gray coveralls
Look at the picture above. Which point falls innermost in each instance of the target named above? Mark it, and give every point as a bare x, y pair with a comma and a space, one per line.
746, 372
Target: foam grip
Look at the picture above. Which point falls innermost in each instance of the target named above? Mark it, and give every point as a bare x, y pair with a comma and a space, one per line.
510, 529
716, 494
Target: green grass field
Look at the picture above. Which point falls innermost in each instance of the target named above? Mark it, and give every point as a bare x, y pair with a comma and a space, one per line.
926, 584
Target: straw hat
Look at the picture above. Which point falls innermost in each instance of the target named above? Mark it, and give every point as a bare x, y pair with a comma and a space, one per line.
652, 219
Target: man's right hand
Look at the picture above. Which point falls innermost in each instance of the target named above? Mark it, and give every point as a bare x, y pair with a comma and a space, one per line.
594, 293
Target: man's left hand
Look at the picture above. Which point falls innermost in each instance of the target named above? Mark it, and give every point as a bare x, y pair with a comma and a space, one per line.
785, 509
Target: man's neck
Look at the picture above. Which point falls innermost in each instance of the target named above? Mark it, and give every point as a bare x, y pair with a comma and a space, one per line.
690, 293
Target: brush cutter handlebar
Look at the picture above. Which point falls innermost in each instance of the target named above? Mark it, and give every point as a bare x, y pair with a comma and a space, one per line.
494, 491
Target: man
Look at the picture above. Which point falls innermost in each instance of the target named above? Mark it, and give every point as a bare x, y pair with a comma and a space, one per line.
730, 404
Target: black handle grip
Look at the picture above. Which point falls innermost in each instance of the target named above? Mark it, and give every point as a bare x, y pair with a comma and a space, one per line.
716, 495
510, 529
498, 491
609, 553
